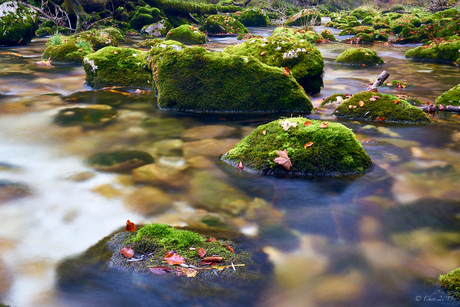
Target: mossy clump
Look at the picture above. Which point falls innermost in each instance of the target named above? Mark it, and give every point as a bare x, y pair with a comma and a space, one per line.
18, 24
187, 34
305, 34
397, 25
113, 66
196, 80
438, 51
334, 98
253, 17
222, 24
100, 38
145, 15
315, 148
159, 46
368, 38
327, 34
160, 28
397, 84
449, 29
89, 117
119, 161
450, 98
304, 61
451, 283
304, 18
62, 49
359, 56
356, 30
363, 12
380, 107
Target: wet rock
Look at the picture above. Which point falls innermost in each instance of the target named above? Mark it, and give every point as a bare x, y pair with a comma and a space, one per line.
107, 190
313, 148
208, 148
200, 162
186, 34
163, 128
304, 17
100, 38
359, 56
82, 176
170, 147
199, 81
6, 281
119, 161
148, 200
89, 117
253, 17
159, 28
450, 98
222, 24
207, 132
12, 190
334, 99
444, 51
18, 24
154, 174
385, 108
159, 46
327, 34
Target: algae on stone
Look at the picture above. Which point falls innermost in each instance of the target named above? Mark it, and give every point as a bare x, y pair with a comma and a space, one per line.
304, 61
222, 24
145, 15
327, 34
386, 108
100, 38
359, 56
314, 148
89, 117
187, 34
451, 97
196, 80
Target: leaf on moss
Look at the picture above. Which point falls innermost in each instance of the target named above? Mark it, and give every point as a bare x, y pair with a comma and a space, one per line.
172, 257
160, 270
127, 251
240, 165
230, 249
309, 144
181, 271
130, 226
287, 124
213, 259
380, 119
307, 123
211, 240
396, 101
324, 125
283, 159
201, 252
264, 132
361, 103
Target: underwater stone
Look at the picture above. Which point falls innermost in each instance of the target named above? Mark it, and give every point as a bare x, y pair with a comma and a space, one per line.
148, 200
119, 161
88, 117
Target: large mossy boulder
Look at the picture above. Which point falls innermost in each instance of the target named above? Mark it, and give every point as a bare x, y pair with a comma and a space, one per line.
160, 28
380, 107
450, 98
304, 61
186, 34
363, 12
62, 49
304, 18
17, 23
196, 80
359, 56
113, 66
397, 25
238, 279
222, 24
253, 18
445, 51
158, 46
145, 15
119, 161
305, 34
313, 147
451, 283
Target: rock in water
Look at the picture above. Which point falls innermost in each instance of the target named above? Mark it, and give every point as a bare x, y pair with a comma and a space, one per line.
18, 24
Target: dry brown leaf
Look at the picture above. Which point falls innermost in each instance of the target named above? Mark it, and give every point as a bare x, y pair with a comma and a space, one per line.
201, 252
213, 259
309, 144
181, 271
211, 240
172, 257
307, 123
283, 159
324, 125
127, 251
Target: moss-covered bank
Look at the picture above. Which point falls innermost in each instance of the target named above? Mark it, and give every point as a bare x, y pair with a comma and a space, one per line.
315, 148
439, 51
451, 97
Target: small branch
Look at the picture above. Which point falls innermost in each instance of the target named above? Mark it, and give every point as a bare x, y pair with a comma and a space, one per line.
431, 108
377, 83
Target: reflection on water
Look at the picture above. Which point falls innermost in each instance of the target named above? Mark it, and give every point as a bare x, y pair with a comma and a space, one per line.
373, 240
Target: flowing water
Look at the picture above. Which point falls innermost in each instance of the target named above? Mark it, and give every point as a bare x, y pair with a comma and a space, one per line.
378, 240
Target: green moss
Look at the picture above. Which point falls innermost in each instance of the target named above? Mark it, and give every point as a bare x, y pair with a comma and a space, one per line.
368, 38
333, 99
327, 34
355, 30
65, 50
305, 62
292, 33
187, 35
359, 56
335, 150
304, 18
44, 31
451, 283
397, 84
159, 28
119, 161
397, 25
145, 15
18, 27
100, 38
200, 81
109, 67
449, 29
387, 108
159, 46
438, 51
363, 12
222, 24
85, 117
253, 18
451, 97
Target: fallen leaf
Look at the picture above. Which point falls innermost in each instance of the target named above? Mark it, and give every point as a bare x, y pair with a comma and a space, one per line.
262, 53
189, 272
379, 119
230, 249
396, 101
307, 123
201, 252
361, 103
309, 144
213, 259
350, 106
372, 99
130, 226
211, 240
339, 99
115, 52
264, 132
127, 251
208, 263
240, 165
287, 124
441, 107
324, 125
172, 257
287, 71
160, 270
283, 159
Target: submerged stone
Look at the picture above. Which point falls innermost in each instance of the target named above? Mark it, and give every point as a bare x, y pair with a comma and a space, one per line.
253, 17
314, 148
103, 269
89, 117
304, 18
222, 24
359, 56
304, 61
18, 24
380, 107
10, 190
113, 66
119, 161
451, 97
199, 81
186, 34
451, 283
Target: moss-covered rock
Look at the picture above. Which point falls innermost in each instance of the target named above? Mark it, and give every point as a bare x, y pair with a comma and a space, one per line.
451, 97
159, 46
66, 49
380, 107
451, 283
359, 56
253, 18
327, 34
397, 25
18, 24
145, 15
449, 29
397, 84
315, 148
160, 28
304, 18
103, 268
336, 98
222, 24
113, 66
100, 38
363, 12
356, 30
187, 34
89, 117
119, 161
368, 38
306, 34
444, 51
304, 61
200, 81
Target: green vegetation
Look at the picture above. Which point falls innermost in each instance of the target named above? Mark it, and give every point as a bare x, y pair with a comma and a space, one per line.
451, 97
187, 34
168, 237
222, 24
304, 18
18, 28
359, 56
451, 283
145, 15
326, 34
253, 18
65, 50
443, 51
293, 33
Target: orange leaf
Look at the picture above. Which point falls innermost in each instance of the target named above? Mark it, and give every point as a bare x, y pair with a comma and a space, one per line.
130, 226
396, 101
127, 251
264, 132
307, 123
379, 119
262, 53
213, 259
372, 99
181, 271
283, 159
309, 144
240, 165
172, 257
211, 240
350, 106
160, 270
324, 125
361, 103
201, 252
230, 249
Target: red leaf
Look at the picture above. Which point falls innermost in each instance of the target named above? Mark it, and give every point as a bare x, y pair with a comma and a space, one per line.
211, 240
213, 259
208, 263
172, 257
324, 125
127, 251
396, 101
230, 249
130, 226
440, 107
309, 144
201, 252
262, 53
160, 270
379, 119
283, 159
307, 123
240, 165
